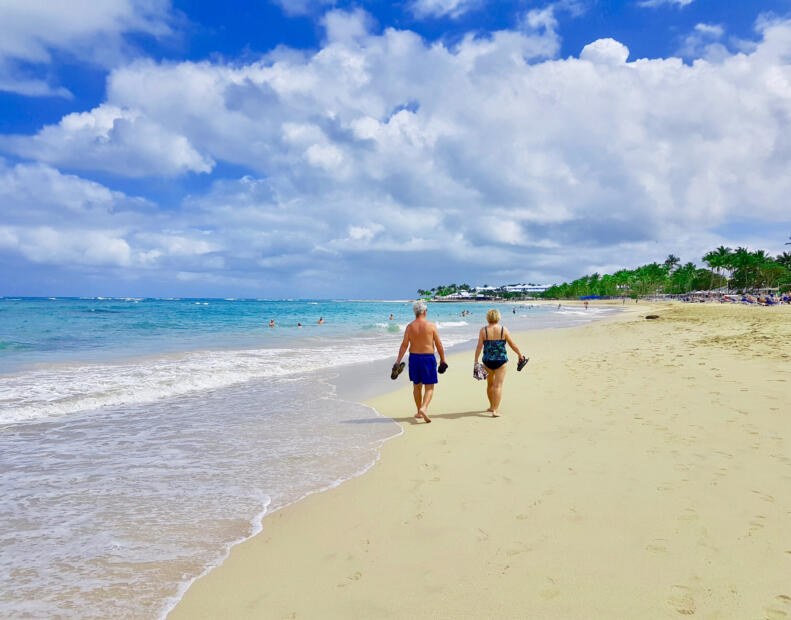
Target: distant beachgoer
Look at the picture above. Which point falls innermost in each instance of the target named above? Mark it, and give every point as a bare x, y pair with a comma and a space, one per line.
558, 306
586, 305
321, 320
299, 324
492, 340
514, 310
271, 322
391, 317
420, 337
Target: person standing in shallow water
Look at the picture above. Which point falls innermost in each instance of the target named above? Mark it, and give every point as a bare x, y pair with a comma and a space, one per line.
492, 340
420, 337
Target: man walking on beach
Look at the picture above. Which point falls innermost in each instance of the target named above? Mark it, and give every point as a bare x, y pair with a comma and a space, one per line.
420, 337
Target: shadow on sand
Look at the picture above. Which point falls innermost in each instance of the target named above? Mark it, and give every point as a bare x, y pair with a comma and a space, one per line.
413, 420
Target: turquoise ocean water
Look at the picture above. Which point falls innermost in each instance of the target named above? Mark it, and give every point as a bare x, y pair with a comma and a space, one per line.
141, 438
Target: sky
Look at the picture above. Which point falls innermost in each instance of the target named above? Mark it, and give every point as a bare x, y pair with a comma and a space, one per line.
333, 149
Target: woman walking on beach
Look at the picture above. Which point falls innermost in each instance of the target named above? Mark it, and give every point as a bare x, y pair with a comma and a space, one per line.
492, 340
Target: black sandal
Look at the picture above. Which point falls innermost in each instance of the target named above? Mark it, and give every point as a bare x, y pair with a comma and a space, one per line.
397, 370
522, 362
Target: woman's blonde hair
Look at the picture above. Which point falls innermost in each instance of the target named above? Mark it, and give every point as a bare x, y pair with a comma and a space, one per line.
493, 316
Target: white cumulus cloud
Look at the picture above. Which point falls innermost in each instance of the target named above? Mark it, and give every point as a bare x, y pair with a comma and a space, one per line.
492, 157
119, 140
32, 30
704, 42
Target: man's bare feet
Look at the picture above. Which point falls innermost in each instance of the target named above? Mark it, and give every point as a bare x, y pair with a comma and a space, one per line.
422, 414
494, 413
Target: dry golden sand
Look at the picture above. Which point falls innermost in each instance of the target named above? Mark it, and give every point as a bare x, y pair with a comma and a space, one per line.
641, 469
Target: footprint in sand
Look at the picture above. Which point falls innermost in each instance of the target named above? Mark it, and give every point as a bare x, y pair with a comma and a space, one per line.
764, 496
518, 548
658, 545
780, 608
681, 600
355, 577
756, 525
688, 514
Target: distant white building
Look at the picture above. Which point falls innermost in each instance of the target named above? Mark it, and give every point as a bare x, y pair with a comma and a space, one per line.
528, 288
459, 295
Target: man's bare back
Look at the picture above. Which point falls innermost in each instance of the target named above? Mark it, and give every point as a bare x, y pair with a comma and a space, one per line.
421, 336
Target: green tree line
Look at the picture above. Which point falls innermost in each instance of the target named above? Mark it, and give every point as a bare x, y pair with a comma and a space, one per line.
442, 290
739, 270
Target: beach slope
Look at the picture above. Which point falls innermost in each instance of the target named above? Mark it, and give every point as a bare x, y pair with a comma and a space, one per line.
640, 470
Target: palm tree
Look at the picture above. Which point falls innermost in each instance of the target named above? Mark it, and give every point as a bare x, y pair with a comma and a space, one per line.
722, 260
713, 261
672, 261
739, 266
683, 278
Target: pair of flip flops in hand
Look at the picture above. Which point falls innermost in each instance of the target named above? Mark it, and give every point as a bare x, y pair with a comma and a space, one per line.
399, 368
479, 370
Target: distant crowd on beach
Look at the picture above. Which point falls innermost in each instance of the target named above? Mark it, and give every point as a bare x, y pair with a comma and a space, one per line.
771, 299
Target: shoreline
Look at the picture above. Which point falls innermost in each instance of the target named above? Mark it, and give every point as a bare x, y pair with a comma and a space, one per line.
343, 392
258, 522
339, 380
567, 509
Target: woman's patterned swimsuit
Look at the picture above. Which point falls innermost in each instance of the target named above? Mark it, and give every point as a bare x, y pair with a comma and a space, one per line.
494, 354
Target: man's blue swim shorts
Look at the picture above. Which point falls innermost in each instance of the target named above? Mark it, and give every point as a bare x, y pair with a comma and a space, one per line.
422, 368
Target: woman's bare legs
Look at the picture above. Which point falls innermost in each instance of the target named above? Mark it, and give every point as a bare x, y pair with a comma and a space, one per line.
494, 389
489, 384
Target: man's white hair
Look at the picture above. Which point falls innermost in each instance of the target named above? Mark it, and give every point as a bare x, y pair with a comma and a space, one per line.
419, 307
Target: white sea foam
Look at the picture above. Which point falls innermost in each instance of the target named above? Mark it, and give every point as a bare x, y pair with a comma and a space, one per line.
70, 388
441, 324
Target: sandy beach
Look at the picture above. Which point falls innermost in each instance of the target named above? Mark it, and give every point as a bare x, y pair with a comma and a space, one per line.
640, 469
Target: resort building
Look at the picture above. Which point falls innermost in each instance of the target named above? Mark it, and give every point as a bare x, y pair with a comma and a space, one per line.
525, 289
